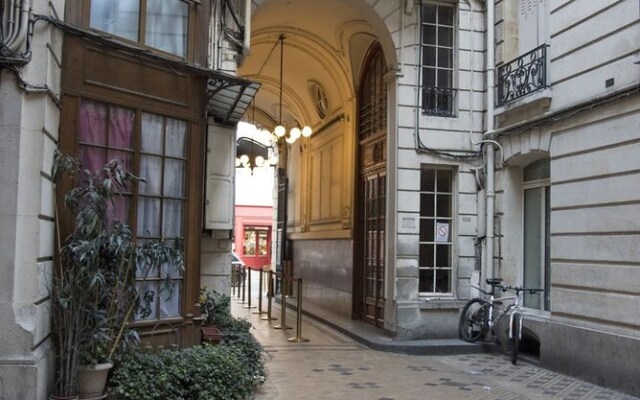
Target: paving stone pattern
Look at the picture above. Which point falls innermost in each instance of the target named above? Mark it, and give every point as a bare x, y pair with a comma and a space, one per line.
332, 366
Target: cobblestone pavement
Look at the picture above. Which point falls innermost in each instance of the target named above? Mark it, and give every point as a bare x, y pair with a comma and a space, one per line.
333, 366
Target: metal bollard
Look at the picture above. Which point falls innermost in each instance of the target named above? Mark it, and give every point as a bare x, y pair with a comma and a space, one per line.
233, 280
259, 310
298, 337
249, 291
244, 284
283, 304
269, 297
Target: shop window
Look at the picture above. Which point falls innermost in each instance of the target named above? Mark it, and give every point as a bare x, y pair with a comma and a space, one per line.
436, 226
161, 24
438, 41
156, 151
256, 242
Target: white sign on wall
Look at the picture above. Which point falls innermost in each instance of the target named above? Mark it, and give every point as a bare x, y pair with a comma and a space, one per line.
442, 231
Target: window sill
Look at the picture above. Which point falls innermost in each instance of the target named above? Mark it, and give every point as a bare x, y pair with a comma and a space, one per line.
440, 304
526, 107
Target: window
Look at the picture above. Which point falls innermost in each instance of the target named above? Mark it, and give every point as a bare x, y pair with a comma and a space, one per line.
537, 258
161, 24
436, 225
156, 152
255, 241
438, 94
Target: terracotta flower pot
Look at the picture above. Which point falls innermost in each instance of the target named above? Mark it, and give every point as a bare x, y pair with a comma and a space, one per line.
92, 380
210, 334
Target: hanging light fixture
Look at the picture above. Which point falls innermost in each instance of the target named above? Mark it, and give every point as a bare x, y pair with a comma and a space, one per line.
252, 153
280, 132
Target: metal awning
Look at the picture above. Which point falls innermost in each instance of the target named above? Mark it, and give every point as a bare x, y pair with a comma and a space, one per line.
229, 97
251, 148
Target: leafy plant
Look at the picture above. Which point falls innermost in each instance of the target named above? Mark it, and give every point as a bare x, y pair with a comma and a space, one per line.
93, 290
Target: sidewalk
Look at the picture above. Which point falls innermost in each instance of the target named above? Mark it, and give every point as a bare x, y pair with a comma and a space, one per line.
335, 364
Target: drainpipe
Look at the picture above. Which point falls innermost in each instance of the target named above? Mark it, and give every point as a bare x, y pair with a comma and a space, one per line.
489, 146
18, 21
246, 45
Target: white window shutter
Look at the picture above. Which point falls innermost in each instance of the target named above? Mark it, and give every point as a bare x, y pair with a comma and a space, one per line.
219, 184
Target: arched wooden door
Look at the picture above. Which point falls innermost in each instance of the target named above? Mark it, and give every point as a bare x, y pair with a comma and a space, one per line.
370, 236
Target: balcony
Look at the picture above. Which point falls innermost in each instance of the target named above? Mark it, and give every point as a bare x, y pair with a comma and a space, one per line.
438, 101
525, 75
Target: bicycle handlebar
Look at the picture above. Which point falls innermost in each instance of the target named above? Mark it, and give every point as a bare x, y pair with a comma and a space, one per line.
497, 283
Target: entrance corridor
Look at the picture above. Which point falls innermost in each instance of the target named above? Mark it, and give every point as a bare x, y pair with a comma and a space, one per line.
332, 366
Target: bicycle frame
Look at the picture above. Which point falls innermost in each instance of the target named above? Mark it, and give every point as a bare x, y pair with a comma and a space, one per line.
514, 307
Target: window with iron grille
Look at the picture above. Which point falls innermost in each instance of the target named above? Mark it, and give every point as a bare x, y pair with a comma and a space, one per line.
436, 225
438, 33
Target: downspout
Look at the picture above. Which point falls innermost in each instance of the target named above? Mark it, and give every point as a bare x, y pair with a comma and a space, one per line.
18, 26
246, 44
489, 146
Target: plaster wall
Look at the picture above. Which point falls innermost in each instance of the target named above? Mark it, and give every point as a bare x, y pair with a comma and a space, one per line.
29, 126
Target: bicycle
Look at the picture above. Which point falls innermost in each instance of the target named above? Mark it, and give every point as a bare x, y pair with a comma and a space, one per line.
478, 317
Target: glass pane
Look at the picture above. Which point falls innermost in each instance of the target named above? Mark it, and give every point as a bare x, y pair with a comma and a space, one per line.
426, 281
444, 78
444, 181
429, 56
427, 230
150, 171
174, 178
547, 249
426, 205
121, 127
148, 308
445, 15
170, 270
93, 122
445, 58
444, 205
250, 243
428, 180
176, 138
167, 26
172, 217
537, 170
429, 13
429, 77
443, 281
151, 135
262, 243
92, 158
445, 36
429, 34
148, 217
533, 214
170, 294
119, 17
426, 255
443, 255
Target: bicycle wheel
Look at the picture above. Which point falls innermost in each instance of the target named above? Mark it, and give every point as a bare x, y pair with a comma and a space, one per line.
473, 320
514, 340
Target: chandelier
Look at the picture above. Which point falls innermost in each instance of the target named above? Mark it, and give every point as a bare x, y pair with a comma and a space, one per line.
280, 132
252, 152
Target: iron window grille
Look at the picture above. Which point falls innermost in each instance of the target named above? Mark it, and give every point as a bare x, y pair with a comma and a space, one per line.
438, 101
524, 75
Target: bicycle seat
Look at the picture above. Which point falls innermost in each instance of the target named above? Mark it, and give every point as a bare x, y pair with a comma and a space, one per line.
494, 281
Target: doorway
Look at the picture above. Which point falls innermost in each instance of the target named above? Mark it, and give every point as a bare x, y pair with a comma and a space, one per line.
369, 272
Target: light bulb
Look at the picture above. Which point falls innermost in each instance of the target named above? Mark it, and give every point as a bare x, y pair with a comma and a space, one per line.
244, 159
295, 133
306, 131
290, 140
259, 161
238, 162
280, 131
273, 160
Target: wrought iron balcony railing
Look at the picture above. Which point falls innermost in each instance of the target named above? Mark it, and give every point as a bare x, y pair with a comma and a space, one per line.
526, 74
438, 101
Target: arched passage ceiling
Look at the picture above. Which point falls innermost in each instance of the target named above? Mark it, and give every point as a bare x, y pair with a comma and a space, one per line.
325, 41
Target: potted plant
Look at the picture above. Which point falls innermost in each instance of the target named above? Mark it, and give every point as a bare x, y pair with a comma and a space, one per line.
94, 294
209, 302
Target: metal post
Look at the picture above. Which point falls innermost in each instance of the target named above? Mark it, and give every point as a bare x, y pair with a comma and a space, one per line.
269, 297
259, 310
283, 304
298, 337
244, 284
233, 280
249, 291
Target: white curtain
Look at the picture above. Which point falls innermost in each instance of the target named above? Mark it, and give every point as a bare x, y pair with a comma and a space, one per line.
167, 26
119, 17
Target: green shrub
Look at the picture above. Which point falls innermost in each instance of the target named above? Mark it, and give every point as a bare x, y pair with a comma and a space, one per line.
195, 373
